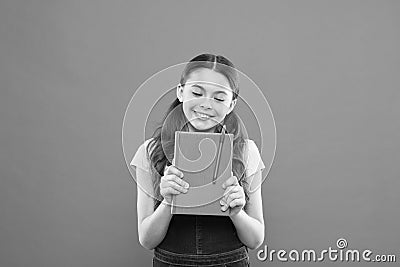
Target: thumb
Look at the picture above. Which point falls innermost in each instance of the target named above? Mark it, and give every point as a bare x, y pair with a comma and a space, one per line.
166, 167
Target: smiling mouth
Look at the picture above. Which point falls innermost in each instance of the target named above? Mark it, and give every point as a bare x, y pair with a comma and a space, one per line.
202, 115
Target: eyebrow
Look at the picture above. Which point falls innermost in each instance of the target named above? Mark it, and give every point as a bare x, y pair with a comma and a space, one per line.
202, 88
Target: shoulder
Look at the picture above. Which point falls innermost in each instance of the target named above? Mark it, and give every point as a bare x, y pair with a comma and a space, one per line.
252, 158
251, 148
145, 144
250, 143
141, 157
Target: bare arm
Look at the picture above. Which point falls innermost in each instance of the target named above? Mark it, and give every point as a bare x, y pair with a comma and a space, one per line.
249, 224
153, 224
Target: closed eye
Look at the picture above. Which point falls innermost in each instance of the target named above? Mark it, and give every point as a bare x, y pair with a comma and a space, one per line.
216, 98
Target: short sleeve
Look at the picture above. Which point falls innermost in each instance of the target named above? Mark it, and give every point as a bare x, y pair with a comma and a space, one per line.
253, 158
141, 159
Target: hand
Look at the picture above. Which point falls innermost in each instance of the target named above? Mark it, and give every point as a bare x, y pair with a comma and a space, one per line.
234, 197
172, 184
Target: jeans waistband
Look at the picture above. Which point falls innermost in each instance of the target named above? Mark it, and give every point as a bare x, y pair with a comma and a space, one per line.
200, 259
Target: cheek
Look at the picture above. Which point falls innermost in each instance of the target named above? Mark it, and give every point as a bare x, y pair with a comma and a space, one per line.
187, 105
222, 110
190, 103
189, 100
188, 109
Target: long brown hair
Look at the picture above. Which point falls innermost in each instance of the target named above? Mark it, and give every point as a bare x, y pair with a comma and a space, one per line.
161, 147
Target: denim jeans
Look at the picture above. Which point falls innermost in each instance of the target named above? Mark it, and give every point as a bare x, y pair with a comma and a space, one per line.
201, 240
234, 258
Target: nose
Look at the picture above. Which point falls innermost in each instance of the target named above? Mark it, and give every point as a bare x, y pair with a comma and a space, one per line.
206, 103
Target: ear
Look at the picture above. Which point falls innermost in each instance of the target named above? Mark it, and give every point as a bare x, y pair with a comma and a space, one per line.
179, 92
232, 106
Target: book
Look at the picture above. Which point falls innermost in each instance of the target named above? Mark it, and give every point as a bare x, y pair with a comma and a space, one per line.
206, 162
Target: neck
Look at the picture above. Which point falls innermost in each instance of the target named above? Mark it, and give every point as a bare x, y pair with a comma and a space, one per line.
192, 129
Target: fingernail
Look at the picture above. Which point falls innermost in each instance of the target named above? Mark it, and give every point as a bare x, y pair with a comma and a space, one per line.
186, 186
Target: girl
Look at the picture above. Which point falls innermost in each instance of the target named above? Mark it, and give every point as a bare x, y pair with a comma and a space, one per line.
206, 97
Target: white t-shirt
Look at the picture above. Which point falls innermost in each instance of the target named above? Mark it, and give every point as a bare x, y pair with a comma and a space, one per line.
253, 161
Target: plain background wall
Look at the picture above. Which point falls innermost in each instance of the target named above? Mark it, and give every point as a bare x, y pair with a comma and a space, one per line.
68, 69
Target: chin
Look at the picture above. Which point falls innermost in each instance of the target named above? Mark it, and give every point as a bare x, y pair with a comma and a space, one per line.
203, 128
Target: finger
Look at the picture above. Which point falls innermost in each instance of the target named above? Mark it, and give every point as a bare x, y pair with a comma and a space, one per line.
173, 170
237, 203
230, 190
223, 204
174, 178
224, 208
233, 189
230, 181
234, 196
174, 185
168, 180
169, 191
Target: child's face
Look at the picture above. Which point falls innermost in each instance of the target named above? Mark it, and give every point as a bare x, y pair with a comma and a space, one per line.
207, 99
